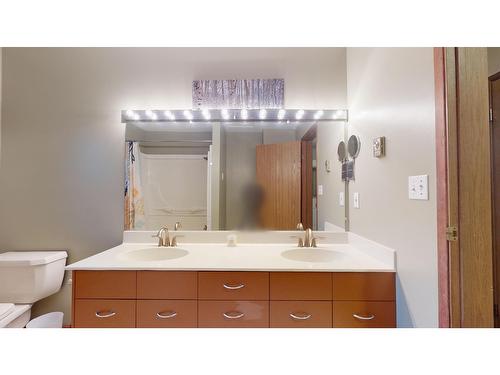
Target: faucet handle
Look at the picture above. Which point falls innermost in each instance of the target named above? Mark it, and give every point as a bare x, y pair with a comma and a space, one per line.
173, 242
178, 225
301, 241
300, 226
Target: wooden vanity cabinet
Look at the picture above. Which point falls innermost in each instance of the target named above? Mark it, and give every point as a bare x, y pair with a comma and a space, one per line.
188, 299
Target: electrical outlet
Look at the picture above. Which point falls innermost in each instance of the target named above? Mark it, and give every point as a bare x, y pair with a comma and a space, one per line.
355, 200
418, 187
320, 189
341, 199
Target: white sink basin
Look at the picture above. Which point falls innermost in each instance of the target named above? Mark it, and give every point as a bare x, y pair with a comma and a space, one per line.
152, 254
311, 254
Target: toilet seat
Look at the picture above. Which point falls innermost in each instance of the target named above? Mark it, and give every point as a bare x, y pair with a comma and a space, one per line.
15, 316
5, 309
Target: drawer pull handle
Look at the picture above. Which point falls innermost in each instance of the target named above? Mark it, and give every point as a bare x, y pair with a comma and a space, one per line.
360, 317
233, 287
100, 314
166, 315
300, 317
233, 315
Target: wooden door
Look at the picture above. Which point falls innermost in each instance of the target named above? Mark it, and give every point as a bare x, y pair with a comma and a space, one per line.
463, 188
279, 174
495, 169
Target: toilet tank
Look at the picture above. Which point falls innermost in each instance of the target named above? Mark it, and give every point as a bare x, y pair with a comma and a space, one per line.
29, 276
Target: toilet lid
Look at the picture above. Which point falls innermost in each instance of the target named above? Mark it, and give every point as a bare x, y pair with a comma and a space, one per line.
5, 309
30, 258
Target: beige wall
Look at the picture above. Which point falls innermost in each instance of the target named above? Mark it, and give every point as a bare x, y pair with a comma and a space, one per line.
391, 94
493, 60
240, 171
329, 210
1, 54
61, 172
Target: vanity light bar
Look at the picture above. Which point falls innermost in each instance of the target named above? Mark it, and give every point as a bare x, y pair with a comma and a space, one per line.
203, 115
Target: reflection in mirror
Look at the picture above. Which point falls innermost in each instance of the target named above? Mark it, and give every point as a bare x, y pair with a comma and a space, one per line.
233, 176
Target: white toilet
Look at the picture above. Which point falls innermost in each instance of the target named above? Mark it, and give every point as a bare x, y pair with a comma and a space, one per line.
27, 277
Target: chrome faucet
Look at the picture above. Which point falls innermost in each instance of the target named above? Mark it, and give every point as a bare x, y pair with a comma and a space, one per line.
308, 237
309, 240
163, 237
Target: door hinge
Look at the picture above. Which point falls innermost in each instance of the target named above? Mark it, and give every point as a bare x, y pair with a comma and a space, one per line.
491, 115
452, 233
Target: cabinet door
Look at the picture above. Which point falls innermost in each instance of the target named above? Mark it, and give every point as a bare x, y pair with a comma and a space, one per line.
301, 314
167, 314
301, 286
166, 285
364, 286
364, 314
102, 313
233, 285
105, 284
233, 314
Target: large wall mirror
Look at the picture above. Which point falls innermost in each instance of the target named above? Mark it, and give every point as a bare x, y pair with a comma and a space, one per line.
214, 175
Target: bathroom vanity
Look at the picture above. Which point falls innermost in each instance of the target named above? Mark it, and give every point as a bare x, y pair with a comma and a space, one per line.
264, 282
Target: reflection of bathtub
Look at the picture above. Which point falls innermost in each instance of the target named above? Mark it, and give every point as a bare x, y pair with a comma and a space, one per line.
191, 219
175, 190
182, 212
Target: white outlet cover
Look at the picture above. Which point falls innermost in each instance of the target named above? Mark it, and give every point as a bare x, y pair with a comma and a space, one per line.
341, 199
418, 187
355, 200
320, 189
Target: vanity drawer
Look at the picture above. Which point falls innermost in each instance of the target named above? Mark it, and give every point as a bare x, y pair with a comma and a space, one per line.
364, 286
233, 314
303, 314
316, 286
364, 314
167, 285
101, 313
233, 285
105, 284
167, 314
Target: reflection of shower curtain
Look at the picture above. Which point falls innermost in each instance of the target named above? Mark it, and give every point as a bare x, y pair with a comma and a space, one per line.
134, 199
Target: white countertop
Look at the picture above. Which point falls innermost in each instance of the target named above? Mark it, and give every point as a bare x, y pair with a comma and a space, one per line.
346, 257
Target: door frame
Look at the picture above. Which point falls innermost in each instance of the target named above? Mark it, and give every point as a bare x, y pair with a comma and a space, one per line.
307, 177
441, 97
465, 278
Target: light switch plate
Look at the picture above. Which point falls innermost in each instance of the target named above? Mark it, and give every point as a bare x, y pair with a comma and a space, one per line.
355, 200
320, 189
379, 147
418, 187
328, 167
341, 199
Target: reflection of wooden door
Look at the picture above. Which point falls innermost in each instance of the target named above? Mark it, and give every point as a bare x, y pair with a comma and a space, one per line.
495, 169
279, 174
